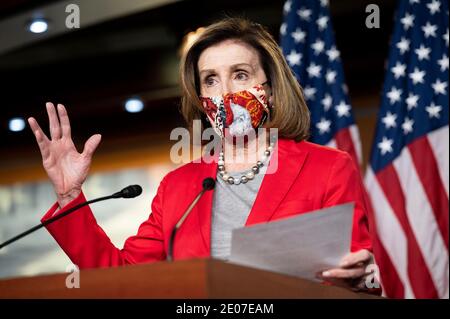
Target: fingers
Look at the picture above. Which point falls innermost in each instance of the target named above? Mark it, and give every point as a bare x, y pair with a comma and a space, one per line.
91, 145
41, 138
64, 120
344, 273
360, 257
37, 131
55, 127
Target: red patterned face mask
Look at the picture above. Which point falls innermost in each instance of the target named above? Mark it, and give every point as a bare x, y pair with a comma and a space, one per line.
239, 111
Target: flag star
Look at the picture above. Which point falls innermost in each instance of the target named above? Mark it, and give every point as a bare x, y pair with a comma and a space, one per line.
445, 37
287, 6
434, 6
324, 3
330, 76
333, 54
304, 14
423, 52
322, 22
403, 45
298, 35
414, 1
309, 92
429, 30
411, 101
294, 58
443, 63
327, 101
394, 95
407, 21
314, 70
385, 145
389, 120
323, 125
439, 87
343, 109
417, 76
399, 70
318, 47
407, 125
433, 110
283, 28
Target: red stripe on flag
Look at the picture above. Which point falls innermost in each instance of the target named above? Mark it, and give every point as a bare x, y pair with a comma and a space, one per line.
427, 169
392, 284
344, 142
418, 273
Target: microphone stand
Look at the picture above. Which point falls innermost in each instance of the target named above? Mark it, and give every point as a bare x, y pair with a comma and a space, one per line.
61, 215
208, 184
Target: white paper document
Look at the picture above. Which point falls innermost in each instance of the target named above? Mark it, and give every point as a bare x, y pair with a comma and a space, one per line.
302, 246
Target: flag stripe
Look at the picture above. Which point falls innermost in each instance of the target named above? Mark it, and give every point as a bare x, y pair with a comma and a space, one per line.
418, 273
393, 239
344, 142
439, 141
421, 219
427, 169
390, 276
354, 133
394, 285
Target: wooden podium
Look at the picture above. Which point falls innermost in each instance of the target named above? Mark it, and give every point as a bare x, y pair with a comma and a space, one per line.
192, 279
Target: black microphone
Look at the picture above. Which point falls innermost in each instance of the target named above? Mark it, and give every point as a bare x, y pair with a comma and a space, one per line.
128, 192
208, 184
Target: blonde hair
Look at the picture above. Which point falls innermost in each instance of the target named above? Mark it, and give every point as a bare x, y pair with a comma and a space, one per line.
290, 115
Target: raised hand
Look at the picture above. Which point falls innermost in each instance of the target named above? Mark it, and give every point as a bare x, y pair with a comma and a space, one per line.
65, 166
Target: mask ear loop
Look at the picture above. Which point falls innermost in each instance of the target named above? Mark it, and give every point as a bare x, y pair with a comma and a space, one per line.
269, 84
269, 105
266, 115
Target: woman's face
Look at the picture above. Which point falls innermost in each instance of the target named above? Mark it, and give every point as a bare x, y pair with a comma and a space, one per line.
229, 66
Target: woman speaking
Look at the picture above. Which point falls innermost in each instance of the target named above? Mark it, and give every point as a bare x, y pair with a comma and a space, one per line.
235, 76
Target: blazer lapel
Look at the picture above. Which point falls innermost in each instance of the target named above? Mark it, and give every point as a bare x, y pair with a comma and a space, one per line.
275, 186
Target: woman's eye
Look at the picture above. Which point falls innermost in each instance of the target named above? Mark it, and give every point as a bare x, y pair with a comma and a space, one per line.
209, 81
241, 76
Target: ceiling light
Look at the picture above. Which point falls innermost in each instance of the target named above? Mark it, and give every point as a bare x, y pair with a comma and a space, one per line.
16, 124
38, 26
134, 105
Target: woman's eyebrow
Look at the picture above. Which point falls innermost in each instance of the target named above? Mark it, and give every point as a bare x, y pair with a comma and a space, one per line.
232, 67
207, 71
240, 65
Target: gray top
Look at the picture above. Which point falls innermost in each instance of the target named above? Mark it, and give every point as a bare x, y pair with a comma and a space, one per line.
231, 207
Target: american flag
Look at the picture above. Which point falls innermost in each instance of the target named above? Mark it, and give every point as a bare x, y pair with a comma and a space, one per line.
307, 41
408, 175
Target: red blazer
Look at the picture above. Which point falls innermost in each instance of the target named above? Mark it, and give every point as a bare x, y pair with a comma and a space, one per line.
309, 177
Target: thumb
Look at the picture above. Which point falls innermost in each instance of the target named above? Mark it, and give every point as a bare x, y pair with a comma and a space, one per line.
91, 145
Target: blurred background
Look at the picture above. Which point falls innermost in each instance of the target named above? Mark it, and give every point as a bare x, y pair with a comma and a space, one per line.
129, 50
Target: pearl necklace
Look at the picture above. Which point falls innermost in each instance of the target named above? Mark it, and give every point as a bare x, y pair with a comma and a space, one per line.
247, 176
